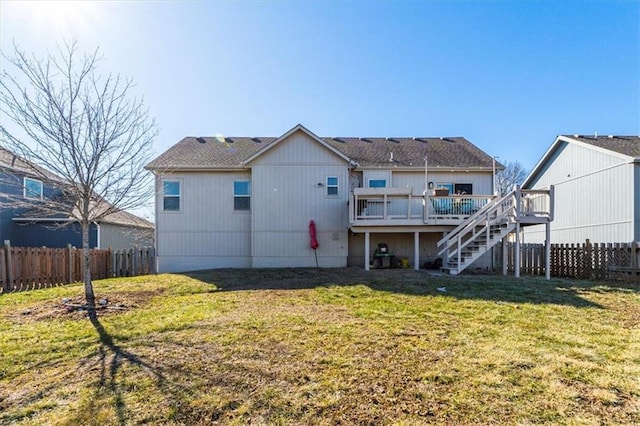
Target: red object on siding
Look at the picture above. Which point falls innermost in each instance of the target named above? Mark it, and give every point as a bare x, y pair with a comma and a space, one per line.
312, 233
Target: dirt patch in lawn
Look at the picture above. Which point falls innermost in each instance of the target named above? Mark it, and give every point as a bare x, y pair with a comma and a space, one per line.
74, 308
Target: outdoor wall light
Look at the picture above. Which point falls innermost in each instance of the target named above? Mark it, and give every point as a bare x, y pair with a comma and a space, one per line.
430, 185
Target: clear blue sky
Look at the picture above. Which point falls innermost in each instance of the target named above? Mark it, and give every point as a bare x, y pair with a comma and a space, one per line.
507, 75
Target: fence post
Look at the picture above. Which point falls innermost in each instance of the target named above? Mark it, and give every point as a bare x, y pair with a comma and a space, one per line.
153, 259
588, 260
9, 269
134, 261
69, 264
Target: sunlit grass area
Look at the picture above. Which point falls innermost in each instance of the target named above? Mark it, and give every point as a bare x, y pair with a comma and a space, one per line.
308, 346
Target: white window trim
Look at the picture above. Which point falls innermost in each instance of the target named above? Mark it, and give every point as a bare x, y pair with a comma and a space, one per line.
386, 182
24, 186
241, 196
179, 196
337, 186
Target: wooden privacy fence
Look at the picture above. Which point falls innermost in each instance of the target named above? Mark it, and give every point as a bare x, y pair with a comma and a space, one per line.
596, 261
26, 268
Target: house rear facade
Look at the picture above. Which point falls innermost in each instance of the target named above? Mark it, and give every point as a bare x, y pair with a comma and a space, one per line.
246, 202
597, 189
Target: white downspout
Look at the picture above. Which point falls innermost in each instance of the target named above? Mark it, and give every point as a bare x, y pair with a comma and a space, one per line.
97, 234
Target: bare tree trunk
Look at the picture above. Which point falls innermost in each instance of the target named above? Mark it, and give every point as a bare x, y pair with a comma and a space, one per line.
86, 269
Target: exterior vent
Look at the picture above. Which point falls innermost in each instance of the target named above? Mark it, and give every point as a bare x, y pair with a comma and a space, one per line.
201, 140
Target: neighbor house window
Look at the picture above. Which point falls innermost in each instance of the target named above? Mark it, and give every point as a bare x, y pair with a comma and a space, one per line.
241, 195
32, 188
171, 195
332, 185
377, 183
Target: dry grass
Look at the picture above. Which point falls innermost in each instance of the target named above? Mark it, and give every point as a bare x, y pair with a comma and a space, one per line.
307, 346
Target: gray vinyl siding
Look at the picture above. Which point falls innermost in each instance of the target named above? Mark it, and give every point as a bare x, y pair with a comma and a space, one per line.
289, 187
206, 232
124, 237
481, 181
376, 175
594, 197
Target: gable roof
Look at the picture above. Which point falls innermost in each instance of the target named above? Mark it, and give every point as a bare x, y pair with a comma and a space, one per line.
12, 162
625, 147
220, 153
297, 128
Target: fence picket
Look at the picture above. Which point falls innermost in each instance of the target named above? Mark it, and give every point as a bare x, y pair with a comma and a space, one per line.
25, 268
597, 261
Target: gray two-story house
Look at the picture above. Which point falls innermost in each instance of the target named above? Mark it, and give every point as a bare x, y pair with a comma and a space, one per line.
247, 201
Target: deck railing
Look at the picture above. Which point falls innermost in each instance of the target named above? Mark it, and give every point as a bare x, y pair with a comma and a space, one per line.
391, 206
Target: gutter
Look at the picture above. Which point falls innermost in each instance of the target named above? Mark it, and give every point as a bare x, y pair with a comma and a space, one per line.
42, 219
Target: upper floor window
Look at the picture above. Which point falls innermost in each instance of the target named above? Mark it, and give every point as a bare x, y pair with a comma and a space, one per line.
377, 183
332, 185
241, 195
171, 195
32, 188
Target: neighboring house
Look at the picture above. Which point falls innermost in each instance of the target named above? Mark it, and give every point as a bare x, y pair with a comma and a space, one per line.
247, 201
18, 181
597, 189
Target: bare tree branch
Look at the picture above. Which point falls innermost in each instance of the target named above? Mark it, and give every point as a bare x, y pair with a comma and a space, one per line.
85, 136
513, 174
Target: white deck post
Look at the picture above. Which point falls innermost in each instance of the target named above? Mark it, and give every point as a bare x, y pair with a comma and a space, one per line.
366, 251
416, 250
505, 256
547, 251
516, 255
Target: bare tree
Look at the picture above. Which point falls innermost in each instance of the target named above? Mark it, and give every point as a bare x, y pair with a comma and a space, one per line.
79, 132
513, 174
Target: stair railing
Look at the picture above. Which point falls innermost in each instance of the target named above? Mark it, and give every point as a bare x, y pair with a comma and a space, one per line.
497, 210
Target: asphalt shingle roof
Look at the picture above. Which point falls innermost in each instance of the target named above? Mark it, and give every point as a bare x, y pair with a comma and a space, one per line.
218, 152
626, 145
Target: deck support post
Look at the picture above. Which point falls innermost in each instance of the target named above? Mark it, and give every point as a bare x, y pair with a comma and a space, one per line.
547, 251
416, 251
505, 256
366, 251
516, 255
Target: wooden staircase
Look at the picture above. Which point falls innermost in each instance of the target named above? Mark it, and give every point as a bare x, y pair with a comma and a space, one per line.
487, 227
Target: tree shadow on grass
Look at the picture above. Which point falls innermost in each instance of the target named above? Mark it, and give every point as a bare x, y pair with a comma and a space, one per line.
535, 290
111, 358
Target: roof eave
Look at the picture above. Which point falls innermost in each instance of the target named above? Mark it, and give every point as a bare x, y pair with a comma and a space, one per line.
196, 169
430, 168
